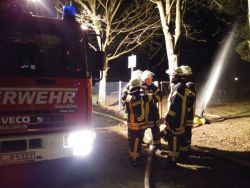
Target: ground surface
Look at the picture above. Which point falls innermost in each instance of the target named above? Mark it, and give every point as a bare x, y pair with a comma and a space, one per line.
200, 170
228, 132
108, 165
225, 162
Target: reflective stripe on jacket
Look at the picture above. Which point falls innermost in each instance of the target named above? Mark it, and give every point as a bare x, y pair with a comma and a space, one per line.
135, 102
175, 117
151, 109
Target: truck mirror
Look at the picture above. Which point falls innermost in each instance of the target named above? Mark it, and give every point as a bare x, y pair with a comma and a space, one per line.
99, 59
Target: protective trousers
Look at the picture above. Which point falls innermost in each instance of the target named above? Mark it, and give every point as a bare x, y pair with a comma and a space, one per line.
156, 135
135, 138
152, 114
174, 120
173, 146
189, 116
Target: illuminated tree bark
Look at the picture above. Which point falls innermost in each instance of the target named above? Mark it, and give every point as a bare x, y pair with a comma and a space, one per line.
249, 12
170, 16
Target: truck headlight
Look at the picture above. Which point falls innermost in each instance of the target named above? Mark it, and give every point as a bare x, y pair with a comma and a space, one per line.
81, 142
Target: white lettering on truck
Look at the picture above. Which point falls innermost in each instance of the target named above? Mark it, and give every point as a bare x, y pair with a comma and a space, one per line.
16, 120
37, 95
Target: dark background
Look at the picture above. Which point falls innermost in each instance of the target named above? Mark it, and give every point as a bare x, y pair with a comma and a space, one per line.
198, 53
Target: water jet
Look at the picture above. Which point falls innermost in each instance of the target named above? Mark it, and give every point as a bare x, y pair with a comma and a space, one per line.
219, 63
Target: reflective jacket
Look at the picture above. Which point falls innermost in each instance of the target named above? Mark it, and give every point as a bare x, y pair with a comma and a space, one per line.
135, 102
175, 117
151, 109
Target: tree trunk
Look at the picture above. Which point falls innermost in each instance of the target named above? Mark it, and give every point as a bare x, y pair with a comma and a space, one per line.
249, 12
177, 23
102, 88
169, 41
102, 84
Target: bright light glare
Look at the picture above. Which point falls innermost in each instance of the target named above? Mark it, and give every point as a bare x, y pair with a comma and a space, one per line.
84, 27
81, 142
82, 152
40, 4
34, 1
236, 78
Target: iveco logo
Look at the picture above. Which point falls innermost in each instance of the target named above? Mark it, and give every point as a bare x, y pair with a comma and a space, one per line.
16, 120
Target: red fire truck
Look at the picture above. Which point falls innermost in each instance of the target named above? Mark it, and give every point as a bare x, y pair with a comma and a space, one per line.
46, 73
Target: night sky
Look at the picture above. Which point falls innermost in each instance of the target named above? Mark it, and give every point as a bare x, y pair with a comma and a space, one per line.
198, 55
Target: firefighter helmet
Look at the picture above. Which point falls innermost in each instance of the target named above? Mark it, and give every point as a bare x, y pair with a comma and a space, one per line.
136, 74
175, 71
146, 74
187, 71
134, 83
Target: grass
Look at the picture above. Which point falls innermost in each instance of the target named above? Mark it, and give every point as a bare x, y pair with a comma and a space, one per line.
239, 108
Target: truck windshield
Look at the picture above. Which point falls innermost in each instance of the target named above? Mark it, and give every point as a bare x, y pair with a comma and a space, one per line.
42, 48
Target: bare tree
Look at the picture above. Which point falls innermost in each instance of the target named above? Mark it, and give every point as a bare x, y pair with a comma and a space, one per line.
124, 26
170, 16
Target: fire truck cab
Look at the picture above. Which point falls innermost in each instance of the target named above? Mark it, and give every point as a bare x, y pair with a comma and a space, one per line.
46, 75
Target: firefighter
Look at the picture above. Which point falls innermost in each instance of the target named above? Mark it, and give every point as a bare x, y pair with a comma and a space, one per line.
151, 108
175, 116
136, 120
135, 75
190, 110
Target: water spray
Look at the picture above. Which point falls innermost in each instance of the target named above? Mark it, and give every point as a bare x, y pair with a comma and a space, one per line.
208, 89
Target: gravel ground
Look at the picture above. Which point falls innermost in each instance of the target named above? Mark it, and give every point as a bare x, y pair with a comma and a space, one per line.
200, 170
229, 137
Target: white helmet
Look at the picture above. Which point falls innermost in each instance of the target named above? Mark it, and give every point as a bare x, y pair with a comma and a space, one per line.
176, 71
146, 74
187, 71
134, 83
136, 74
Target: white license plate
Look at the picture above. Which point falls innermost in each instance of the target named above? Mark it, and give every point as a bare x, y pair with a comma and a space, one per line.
17, 157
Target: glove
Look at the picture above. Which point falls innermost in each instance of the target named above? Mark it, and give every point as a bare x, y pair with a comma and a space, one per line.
125, 116
162, 121
165, 122
162, 134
